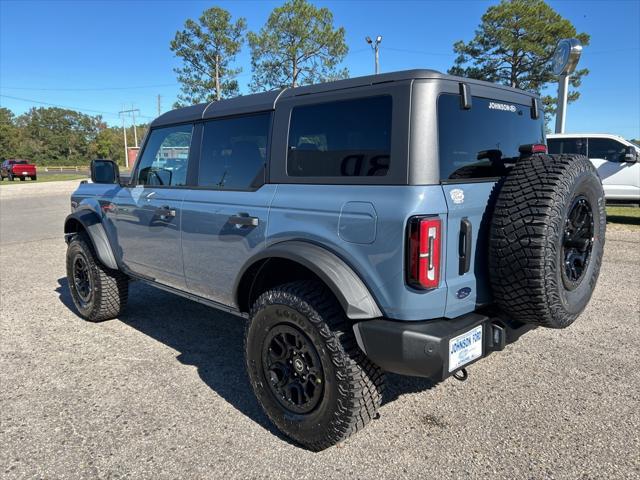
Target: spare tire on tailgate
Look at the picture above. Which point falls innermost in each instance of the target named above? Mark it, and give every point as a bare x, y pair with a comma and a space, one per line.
546, 239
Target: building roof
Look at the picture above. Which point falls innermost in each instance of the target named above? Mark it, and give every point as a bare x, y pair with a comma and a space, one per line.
267, 100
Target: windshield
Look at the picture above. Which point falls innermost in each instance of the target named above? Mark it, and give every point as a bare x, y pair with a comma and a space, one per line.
483, 141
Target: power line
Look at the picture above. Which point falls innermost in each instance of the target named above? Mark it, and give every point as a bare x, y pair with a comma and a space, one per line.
91, 89
30, 100
419, 52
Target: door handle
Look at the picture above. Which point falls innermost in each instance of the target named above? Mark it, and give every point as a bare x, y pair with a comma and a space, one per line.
243, 220
464, 246
166, 212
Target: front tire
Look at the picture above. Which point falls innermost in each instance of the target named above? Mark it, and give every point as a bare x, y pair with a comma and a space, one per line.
99, 293
305, 367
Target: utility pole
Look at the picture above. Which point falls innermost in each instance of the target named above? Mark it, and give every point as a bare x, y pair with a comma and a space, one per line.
159, 109
135, 132
126, 149
375, 46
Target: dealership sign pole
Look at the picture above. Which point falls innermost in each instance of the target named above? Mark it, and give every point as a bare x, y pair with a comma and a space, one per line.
565, 60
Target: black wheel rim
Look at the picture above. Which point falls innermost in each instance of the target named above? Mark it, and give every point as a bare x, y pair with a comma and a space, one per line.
577, 242
292, 368
82, 279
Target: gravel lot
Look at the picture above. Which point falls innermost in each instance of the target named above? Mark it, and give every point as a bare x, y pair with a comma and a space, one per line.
162, 393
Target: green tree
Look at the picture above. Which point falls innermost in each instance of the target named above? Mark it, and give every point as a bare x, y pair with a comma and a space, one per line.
9, 135
207, 48
109, 142
514, 45
298, 46
59, 136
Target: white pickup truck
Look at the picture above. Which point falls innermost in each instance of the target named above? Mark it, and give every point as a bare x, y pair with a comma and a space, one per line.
615, 158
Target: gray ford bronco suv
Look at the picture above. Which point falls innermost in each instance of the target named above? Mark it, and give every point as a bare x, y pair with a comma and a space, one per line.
409, 222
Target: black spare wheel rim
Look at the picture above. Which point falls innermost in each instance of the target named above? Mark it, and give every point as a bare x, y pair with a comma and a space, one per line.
577, 242
292, 368
82, 281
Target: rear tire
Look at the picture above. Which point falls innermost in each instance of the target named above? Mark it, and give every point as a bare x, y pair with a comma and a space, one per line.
34, 178
99, 293
299, 329
22, 179
547, 239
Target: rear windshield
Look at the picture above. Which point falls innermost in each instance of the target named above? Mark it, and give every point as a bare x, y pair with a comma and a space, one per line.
483, 141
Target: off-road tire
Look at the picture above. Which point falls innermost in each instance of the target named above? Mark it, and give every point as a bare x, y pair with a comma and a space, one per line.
527, 234
109, 288
34, 178
22, 179
353, 385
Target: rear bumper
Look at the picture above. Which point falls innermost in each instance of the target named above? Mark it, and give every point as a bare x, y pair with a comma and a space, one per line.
421, 349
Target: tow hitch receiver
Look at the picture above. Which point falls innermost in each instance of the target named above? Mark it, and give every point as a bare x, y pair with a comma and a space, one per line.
425, 348
461, 375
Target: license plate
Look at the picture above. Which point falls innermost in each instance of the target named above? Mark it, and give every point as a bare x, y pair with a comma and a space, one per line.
25, 173
465, 348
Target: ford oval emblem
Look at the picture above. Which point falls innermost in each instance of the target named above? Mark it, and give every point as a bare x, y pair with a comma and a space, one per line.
463, 293
457, 195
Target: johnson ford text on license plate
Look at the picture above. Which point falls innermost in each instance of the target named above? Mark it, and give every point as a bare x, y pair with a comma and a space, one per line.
465, 348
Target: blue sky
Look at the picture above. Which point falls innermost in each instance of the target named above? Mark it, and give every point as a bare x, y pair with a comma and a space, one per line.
92, 55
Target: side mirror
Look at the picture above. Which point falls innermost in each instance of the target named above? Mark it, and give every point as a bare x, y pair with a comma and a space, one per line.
104, 171
630, 155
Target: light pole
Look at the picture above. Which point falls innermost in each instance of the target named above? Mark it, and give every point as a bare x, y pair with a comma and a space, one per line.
564, 63
375, 47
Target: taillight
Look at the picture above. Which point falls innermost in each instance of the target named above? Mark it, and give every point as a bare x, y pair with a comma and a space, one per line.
423, 251
532, 148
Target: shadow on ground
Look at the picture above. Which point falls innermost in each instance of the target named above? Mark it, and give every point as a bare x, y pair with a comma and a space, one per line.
213, 342
623, 220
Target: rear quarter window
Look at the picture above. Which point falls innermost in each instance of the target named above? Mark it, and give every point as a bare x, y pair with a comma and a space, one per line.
483, 141
349, 138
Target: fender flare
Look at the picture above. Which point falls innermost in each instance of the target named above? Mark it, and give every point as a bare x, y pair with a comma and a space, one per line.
353, 295
97, 234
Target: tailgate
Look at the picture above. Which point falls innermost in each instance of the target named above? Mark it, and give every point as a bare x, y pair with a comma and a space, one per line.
24, 169
467, 233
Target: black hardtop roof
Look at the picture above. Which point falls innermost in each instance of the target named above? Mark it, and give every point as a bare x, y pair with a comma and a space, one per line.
260, 102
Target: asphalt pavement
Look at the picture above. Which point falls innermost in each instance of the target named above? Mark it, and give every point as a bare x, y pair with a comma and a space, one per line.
161, 392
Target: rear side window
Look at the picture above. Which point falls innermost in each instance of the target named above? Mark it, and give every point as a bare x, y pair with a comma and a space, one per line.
341, 139
567, 145
234, 152
165, 157
483, 141
606, 149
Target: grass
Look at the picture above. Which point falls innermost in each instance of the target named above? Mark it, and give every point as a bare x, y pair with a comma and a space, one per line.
47, 178
624, 215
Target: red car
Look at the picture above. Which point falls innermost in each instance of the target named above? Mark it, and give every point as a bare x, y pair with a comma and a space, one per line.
21, 169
